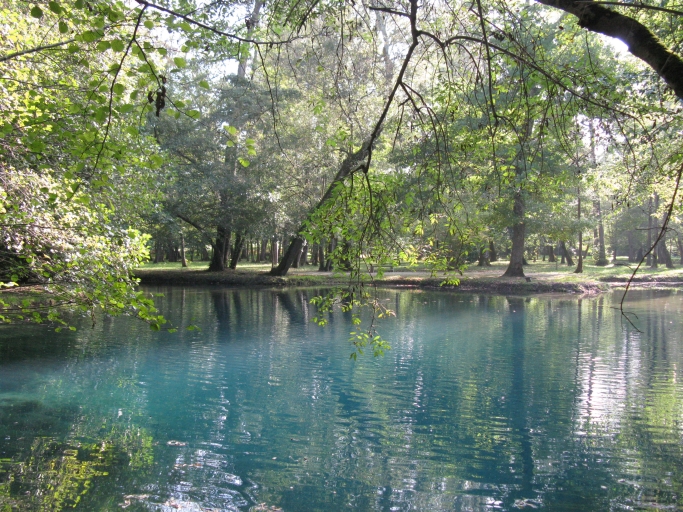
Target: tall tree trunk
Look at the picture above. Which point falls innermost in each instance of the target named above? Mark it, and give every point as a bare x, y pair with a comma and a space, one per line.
515, 267
330, 249
183, 261
655, 233
264, 250
599, 237
237, 250
220, 247
321, 256
664, 254
251, 25
567, 255
303, 258
631, 246
579, 266
290, 257
493, 256
483, 257
551, 254
680, 250
649, 231
158, 256
314, 254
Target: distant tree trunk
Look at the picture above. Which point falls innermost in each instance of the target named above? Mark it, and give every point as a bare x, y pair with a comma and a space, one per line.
561, 251
183, 261
579, 267
237, 250
655, 233
314, 254
321, 256
303, 257
483, 257
493, 256
567, 256
599, 236
220, 247
330, 250
639, 254
274, 250
680, 250
293, 253
264, 250
158, 255
631, 247
171, 253
664, 254
551, 254
649, 232
515, 267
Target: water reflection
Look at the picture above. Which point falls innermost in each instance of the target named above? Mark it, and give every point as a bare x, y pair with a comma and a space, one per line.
484, 402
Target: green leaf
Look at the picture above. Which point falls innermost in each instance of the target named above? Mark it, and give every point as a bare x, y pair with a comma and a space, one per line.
204, 84
36, 12
37, 146
63, 27
149, 24
91, 35
180, 62
55, 7
103, 46
117, 45
119, 88
244, 162
194, 114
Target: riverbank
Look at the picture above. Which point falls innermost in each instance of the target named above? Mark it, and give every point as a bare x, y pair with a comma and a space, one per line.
540, 277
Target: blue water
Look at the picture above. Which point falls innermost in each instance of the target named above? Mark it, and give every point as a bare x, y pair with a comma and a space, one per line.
483, 403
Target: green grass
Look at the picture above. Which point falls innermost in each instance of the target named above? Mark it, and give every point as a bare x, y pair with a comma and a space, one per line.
539, 269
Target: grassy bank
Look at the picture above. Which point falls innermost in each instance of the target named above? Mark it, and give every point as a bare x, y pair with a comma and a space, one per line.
542, 277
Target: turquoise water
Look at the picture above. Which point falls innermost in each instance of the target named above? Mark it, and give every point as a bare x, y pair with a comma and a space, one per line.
483, 403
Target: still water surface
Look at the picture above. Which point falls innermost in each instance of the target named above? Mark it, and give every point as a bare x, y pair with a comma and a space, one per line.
483, 403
